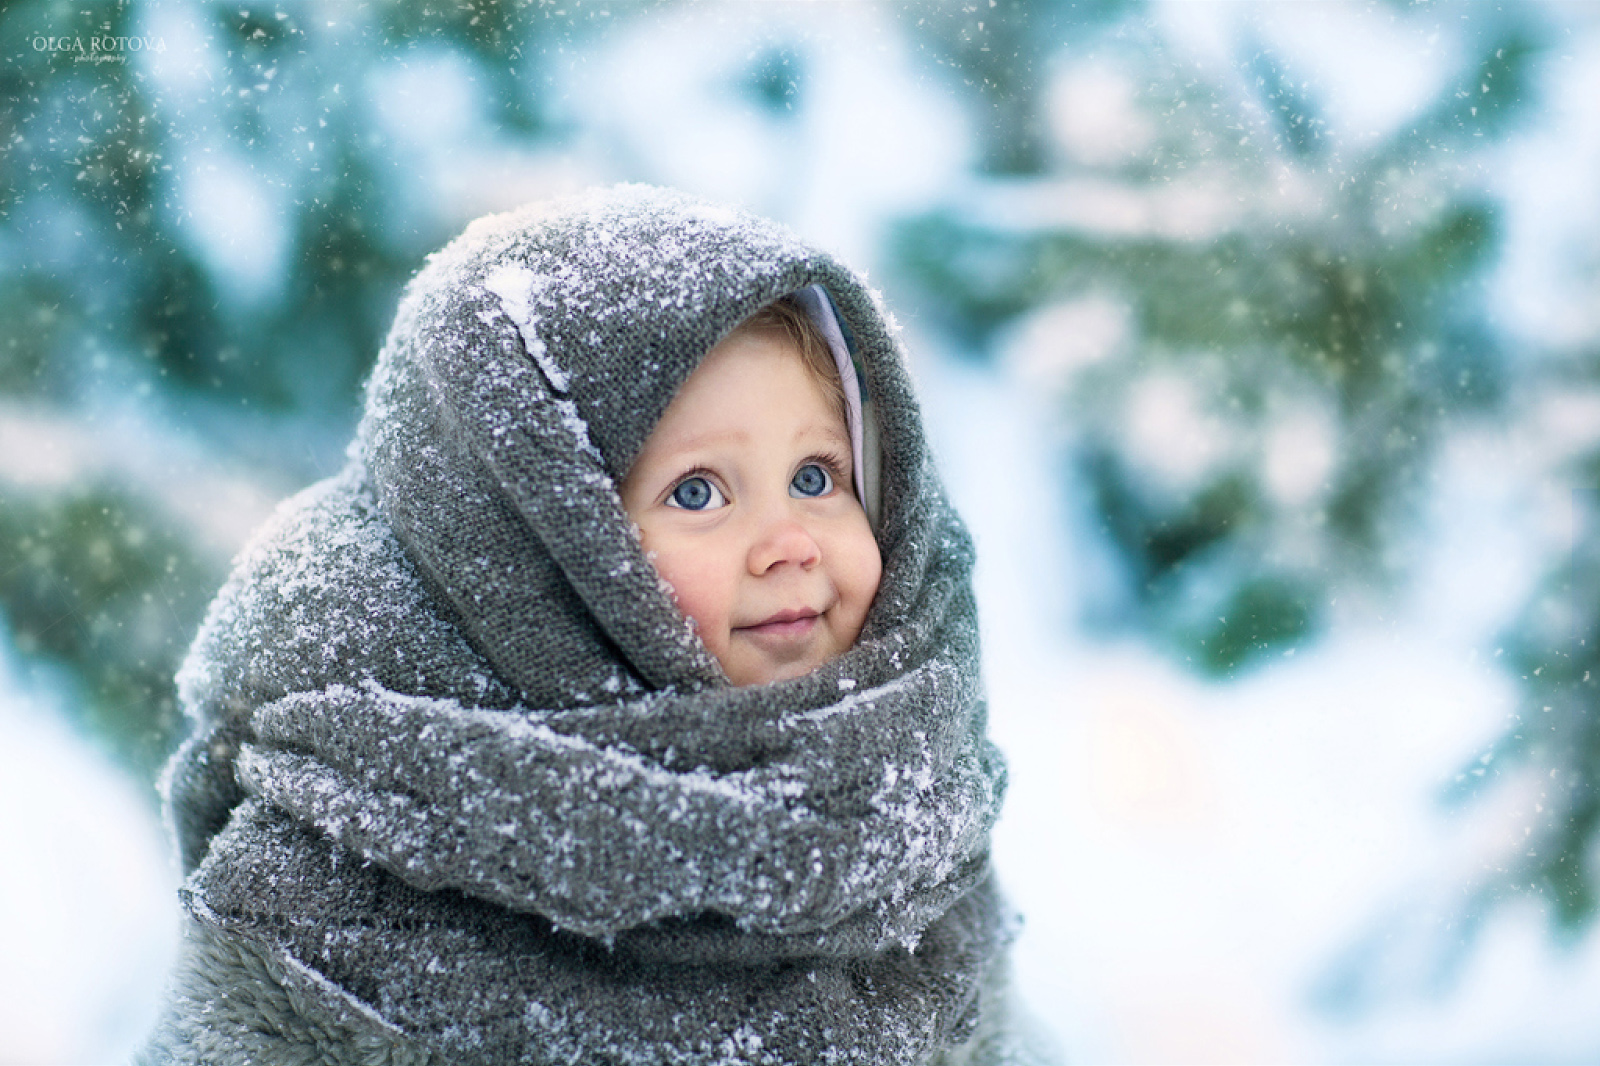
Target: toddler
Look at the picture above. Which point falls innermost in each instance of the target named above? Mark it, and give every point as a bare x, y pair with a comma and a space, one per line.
618, 703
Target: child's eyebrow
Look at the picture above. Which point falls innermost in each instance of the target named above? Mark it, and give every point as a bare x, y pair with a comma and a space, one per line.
833, 433
690, 441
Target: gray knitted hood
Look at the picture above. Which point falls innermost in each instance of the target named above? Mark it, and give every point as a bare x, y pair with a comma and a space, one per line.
460, 764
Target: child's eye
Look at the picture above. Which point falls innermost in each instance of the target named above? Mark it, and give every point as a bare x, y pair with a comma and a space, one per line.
696, 494
811, 480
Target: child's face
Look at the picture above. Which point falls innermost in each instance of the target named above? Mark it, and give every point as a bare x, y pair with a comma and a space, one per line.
743, 495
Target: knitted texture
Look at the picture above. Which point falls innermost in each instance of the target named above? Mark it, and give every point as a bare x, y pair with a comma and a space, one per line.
461, 763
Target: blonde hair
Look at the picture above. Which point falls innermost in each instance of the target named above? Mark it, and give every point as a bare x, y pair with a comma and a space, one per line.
787, 318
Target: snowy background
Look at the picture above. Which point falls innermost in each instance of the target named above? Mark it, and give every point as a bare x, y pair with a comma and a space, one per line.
1261, 349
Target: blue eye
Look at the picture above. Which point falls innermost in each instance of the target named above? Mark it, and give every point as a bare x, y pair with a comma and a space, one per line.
696, 494
811, 480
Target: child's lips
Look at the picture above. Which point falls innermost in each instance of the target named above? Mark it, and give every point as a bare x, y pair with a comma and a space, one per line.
785, 625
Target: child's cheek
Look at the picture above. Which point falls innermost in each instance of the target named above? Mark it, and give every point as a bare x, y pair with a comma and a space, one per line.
871, 573
861, 568
698, 588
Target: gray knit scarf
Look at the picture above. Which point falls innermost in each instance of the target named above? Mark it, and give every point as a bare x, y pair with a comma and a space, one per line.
461, 767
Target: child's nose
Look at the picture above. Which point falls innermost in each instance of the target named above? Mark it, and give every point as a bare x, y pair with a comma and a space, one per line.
783, 540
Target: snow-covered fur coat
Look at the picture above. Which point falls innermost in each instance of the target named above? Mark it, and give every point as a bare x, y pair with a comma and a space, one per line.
464, 786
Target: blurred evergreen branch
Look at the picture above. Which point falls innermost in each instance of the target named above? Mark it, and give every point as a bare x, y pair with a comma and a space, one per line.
1303, 284
101, 581
1553, 648
1366, 307
1002, 54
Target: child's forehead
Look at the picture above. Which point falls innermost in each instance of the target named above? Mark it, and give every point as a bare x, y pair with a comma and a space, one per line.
746, 379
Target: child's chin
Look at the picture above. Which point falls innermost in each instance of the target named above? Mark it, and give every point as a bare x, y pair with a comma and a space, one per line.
767, 673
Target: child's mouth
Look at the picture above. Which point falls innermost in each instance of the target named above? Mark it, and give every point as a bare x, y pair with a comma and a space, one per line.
785, 625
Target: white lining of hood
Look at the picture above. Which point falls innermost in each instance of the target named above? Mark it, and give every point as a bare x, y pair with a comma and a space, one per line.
858, 415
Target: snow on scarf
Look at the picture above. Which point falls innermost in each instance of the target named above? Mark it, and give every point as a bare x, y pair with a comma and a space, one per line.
461, 766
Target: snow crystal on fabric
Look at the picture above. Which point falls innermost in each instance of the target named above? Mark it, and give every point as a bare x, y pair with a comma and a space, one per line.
514, 285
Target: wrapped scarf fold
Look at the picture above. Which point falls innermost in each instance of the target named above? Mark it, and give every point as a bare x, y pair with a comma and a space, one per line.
462, 768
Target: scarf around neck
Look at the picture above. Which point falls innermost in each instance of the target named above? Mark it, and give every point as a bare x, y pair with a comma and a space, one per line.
459, 762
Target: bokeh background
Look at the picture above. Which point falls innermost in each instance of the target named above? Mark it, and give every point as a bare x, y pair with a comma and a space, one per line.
1260, 344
